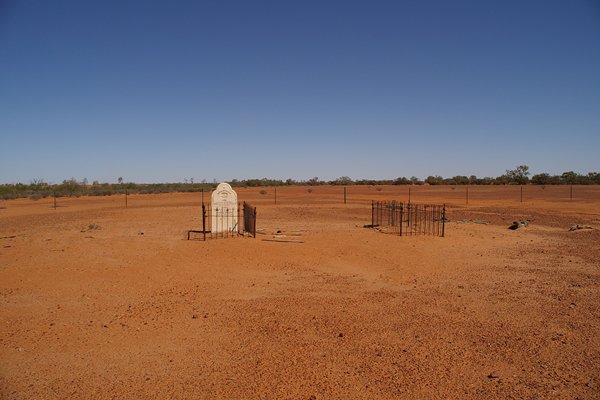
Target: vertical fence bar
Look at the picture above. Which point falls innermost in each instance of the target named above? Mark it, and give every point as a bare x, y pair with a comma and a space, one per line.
203, 222
443, 220
344, 194
401, 217
254, 222
417, 219
408, 217
372, 213
429, 219
437, 217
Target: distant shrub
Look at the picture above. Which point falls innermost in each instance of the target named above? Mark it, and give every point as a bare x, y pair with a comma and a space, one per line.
309, 190
263, 191
35, 196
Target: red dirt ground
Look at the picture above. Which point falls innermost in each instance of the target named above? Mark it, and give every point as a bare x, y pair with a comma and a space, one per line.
350, 313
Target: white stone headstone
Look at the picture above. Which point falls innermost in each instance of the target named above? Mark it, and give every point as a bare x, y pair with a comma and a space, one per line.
224, 209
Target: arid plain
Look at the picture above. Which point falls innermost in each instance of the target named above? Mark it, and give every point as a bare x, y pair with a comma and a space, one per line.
98, 301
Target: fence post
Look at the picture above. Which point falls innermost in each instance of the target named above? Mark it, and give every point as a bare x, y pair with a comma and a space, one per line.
571, 193
344, 194
409, 195
521, 193
204, 221
443, 220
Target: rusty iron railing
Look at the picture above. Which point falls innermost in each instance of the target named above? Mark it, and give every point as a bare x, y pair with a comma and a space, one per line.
409, 219
223, 222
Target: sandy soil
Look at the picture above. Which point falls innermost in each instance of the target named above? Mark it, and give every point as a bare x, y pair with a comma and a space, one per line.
98, 301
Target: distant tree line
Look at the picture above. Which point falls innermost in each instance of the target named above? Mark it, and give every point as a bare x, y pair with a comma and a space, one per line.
38, 189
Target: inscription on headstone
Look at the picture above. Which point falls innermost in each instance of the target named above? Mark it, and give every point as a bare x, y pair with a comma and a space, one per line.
224, 209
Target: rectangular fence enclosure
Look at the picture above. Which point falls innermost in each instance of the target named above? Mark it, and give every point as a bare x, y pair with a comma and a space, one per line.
226, 223
409, 219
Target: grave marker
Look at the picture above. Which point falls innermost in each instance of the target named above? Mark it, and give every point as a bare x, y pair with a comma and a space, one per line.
224, 209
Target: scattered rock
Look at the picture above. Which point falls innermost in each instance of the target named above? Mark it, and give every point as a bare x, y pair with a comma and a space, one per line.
493, 375
140, 233
341, 335
578, 227
312, 397
194, 316
519, 224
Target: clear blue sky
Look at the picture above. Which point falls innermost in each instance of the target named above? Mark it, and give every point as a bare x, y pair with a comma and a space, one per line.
162, 91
